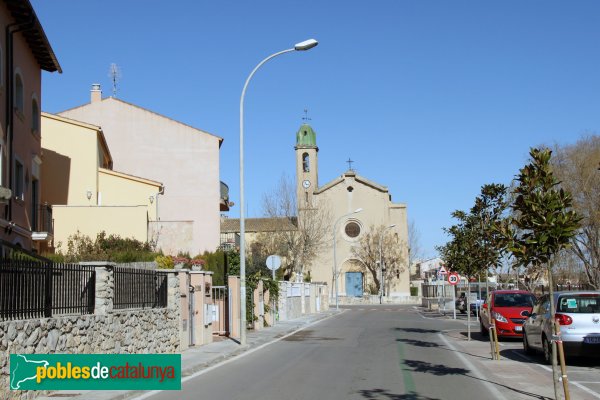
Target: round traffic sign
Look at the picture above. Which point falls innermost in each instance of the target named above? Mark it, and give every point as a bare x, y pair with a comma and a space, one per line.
273, 262
453, 278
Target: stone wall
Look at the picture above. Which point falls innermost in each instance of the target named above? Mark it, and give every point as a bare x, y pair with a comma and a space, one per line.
106, 331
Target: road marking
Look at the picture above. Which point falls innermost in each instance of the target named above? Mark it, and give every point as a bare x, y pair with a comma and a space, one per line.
586, 389
495, 392
549, 369
234, 358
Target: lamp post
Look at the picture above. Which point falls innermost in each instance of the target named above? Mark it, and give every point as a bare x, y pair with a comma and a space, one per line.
381, 264
302, 46
335, 272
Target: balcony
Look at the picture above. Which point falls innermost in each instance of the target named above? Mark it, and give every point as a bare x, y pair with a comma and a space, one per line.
225, 203
42, 223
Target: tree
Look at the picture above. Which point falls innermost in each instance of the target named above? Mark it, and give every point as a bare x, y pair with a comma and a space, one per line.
415, 250
576, 166
542, 225
304, 233
380, 244
475, 245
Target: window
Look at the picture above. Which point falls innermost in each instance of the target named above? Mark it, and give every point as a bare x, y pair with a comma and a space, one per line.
35, 116
19, 180
352, 229
19, 105
305, 162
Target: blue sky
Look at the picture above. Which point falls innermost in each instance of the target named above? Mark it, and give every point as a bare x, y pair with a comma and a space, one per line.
431, 98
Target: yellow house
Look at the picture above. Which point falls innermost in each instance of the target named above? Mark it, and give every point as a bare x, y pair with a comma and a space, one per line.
85, 193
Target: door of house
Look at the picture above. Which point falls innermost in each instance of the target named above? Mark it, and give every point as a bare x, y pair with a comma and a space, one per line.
354, 284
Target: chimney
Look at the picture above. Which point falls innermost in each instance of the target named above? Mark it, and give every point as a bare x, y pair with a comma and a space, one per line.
96, 93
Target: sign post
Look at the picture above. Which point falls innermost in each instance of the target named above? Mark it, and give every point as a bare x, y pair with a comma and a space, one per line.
273, 263
442, 292
453, 279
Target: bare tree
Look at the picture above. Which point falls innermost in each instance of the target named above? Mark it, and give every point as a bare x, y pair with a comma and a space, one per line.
576, 166
312, 226
380, 242
415, 250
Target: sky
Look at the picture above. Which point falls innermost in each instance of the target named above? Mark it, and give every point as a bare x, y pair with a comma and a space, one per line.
432, 99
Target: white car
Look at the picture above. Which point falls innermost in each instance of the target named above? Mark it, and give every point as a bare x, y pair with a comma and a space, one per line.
578, 314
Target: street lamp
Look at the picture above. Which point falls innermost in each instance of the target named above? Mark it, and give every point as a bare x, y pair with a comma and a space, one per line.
302, 46
335, 273
381, 264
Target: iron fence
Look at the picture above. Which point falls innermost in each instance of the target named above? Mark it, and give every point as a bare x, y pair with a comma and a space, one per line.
34, 289
138, 288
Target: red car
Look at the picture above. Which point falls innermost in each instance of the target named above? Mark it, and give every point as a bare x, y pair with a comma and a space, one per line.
509, 308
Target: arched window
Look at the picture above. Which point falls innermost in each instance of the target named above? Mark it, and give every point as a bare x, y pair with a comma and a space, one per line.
305, 162
19, 105
35, 116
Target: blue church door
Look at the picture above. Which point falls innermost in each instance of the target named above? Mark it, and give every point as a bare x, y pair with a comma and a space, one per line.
354, 284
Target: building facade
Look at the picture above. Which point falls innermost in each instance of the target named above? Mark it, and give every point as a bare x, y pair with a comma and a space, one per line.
341, 197
184, 159
24, 53
344, 196
85, 193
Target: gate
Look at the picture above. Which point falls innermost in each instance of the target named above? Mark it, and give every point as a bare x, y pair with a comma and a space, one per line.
354, 284
192, 309
222, 311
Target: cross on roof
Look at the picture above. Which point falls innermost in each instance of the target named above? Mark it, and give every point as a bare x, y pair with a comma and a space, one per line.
306, 118
350, 164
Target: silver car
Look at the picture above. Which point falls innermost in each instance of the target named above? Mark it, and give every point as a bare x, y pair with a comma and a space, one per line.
578, 314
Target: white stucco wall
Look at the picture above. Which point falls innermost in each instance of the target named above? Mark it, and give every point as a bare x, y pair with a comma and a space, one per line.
184, 159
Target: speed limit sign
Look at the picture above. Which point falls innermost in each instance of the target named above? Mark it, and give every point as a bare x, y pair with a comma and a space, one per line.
453, 278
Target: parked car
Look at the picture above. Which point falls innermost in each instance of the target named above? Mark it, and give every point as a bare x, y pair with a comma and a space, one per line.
578, 314
475, 306
474, 302
509, 309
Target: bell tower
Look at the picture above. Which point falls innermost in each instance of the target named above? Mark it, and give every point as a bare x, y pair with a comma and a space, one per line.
306, 165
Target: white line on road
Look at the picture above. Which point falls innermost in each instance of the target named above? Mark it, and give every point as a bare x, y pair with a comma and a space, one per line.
495, 392
235, 358
586, 389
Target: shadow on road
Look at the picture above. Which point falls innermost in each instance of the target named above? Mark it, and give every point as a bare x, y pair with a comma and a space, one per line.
426, 344
443, 370
382, 394
417, 330
305, 335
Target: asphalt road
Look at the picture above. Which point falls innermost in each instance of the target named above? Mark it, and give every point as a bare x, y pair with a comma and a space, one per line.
372, 352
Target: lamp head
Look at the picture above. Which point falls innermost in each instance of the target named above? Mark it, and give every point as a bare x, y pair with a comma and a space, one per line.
392, 225
306, 45
358, 210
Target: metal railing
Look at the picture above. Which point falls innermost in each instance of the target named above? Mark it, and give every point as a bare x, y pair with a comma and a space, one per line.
138, 288
33, 289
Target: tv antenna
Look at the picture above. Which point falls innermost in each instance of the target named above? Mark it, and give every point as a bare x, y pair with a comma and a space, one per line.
114, 73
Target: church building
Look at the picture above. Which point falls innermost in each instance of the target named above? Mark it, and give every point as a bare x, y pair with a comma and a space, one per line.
355, 208
358, 206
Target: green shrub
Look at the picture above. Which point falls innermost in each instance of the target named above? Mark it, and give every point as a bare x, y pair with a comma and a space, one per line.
414, 291
165, 262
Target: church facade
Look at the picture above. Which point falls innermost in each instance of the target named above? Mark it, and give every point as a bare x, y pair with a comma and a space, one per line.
358, 207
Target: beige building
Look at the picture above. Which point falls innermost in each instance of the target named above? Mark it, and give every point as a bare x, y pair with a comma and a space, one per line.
343, 196
85, 193
346, 194
183, 158
24, 53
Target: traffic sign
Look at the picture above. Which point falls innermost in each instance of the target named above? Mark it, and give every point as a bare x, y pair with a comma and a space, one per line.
442, 271
453, 278
273, 262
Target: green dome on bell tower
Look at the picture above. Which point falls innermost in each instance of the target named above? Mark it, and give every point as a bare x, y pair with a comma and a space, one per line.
306, 136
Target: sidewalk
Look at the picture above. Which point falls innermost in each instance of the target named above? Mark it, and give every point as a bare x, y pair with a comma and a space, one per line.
514, 376
198, 358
